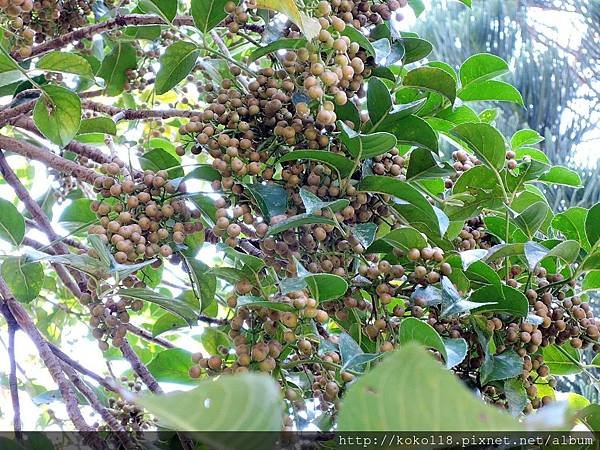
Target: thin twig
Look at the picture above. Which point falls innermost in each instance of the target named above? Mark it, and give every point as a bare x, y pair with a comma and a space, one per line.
12, 378
137, 114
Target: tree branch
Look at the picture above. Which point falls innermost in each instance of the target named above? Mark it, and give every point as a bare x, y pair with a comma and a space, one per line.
13, 326
106, 415
136, 114
91, 30
145, 334
47, 157
53, 365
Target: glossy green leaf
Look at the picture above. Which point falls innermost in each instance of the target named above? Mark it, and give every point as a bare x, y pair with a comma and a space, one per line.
415, 49
592, 225
172, 366
532, 218
563, 360
379, 101
422, 165
77, 214
65, 62
341, 163
368, 402
12, 223
432, 79
487, 142
481, 67
160, 159
571, 223
364, 233
99, 124
491, 90
271, 199
325, 286
274, 46
411, 130
525, 137
175, 64
212, 339
413, 330
208, 14
252, 301
25, 280
414, 207
516, 396
173, 305
456, 351
562, 176
403, 238
501, 367
312, 203
57, 114
167, 9
505, 298
591, 282
364, 146
298, 221
115, 65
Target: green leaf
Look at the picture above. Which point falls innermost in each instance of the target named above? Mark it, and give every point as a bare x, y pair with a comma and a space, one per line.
516, 396
571, 223
411, 130
175, 64
208, 14
204, 172
483, 139
590, 416
279, 44
562, 176
122, 58
481, 67
325, 286
525, 137
364, 233
12, 223
358, 37
403, 238
312, 203
252, 301
432, 79
272, 199
309, 26
417, 6
415, 49
348, 112
77, 214
103, 125
422, 165
592, 225
167, 322
65, 62
591, 282
57, 114
413, 207
379, 101
337, 161
172, 366
298, 221
561, 360
213, 338
167, 9
160, 159
7, 64
364, 146
505, 298
491, 90
501, 367
532, 218
368, 401
456, 350
254, 263
174, 305
205, 282
413, 330
25, 280
215, 406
